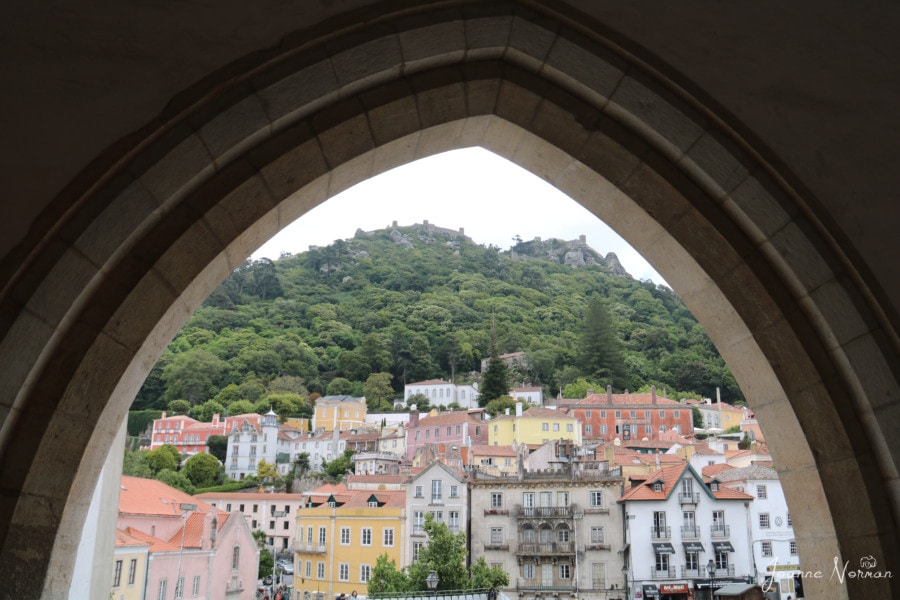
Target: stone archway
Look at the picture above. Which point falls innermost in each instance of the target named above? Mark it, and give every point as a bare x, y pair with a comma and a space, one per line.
157, 228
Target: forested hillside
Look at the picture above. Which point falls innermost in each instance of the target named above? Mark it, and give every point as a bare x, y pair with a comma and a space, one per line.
364, 316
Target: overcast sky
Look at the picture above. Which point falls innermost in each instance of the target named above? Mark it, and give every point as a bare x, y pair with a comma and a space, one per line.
493, 199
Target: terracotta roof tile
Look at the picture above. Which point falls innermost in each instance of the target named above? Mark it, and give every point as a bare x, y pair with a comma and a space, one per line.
139, 496
483, 449
711, 471
125, 540
628, 399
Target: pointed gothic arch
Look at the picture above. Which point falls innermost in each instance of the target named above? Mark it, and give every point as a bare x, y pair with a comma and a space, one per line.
161, 219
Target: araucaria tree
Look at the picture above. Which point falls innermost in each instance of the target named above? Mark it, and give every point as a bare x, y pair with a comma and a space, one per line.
600, 352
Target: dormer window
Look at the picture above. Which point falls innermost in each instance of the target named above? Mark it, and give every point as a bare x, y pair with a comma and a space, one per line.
714, 486
657, 486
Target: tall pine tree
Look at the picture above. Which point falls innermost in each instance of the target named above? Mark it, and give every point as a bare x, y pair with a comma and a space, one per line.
600, 353
495, 382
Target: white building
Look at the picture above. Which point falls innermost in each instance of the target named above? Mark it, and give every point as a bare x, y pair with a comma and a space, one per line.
249, 442
273, 513
441, 491
531, 395
322, 446
675, 526
443, 393
771, 532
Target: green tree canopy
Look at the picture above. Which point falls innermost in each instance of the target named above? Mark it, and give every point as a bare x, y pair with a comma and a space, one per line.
178, 407
160, 460
202, 469
218, 446
445, 554
379, 393
176, 479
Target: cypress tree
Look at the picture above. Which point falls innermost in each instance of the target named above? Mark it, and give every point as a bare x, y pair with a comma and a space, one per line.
600, 356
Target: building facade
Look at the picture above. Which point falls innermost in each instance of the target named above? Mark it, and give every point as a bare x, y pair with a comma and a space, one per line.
340, 538
441, 491
626, 417
557, 533
443, 393
194, 549
775, 555
272, 513
251, 441
450, 429
341, 413
676, 525
534, 426
189, 435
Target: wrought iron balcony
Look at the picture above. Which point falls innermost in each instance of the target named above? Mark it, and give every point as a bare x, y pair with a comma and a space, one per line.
531, 548
535, 585
545, 512
720, 531
661, 533
667, 573
690, 532
690, 498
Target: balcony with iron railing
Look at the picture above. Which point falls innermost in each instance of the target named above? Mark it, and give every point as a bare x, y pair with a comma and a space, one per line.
689, 498
536, 585
720, 531
695, 573
727, 571
667, 573
544, 548
545, 512
661, 533
597, 546
311, 549
690, 532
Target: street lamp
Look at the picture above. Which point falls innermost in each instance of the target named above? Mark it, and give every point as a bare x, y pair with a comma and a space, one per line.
432, 582
276, 514
185, 510
625, 574
711, 570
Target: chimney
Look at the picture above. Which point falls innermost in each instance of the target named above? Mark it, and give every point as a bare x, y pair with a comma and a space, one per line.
609, 394
394, 225
215, 421
163, 415
518, 409
413, 416
653, 394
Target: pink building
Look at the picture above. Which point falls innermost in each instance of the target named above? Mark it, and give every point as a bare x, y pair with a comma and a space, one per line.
195, 550
190, 435
449, 429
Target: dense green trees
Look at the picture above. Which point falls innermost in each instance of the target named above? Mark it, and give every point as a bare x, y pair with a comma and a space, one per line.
445, 554
325, 321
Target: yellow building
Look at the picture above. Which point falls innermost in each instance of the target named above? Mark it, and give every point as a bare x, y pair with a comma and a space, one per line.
339, 412
534, 426
129, 567
341, 536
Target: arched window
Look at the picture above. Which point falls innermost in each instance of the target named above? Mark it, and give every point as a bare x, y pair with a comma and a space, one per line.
528, 535
546, 535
